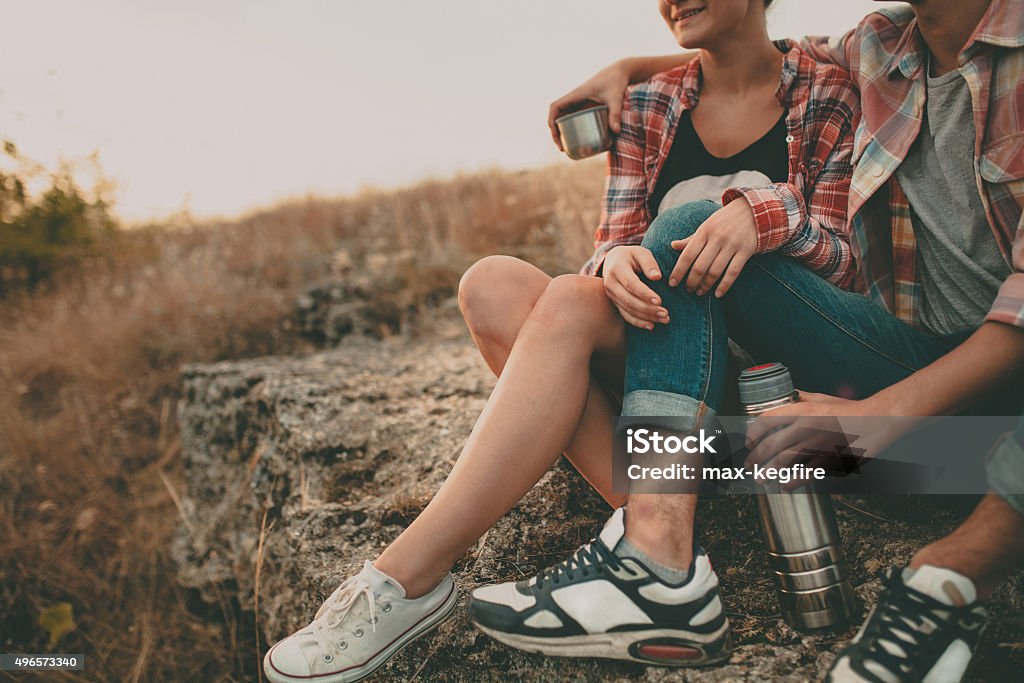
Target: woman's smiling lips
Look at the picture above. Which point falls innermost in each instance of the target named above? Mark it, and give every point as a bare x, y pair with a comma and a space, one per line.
686, 14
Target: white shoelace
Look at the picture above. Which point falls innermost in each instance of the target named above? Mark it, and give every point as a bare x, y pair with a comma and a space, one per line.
338, 606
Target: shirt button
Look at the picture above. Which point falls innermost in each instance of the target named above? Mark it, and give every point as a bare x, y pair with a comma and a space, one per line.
790, 138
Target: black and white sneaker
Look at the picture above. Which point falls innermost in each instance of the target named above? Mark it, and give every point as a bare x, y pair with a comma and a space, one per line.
924, 628
596, 604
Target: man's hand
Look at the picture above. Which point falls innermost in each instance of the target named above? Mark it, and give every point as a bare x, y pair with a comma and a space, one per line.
787, 429
718, 249
638, 304
608, 86
811, 432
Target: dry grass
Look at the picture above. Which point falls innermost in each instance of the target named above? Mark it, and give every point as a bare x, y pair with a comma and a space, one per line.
89, 446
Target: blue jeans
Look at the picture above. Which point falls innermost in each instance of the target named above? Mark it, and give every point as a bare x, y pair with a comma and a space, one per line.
1005, 467
832, 341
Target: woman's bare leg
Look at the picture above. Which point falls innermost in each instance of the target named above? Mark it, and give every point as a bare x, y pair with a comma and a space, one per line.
537, 406
496, 296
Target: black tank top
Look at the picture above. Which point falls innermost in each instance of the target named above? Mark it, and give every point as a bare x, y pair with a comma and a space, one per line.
692, 172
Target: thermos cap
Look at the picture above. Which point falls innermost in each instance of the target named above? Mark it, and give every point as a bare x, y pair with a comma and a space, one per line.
764, 383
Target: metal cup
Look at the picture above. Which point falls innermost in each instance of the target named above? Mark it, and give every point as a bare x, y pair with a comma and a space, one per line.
585, 133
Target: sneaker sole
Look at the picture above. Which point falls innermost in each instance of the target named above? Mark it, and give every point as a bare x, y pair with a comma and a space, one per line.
625, 646
358, 673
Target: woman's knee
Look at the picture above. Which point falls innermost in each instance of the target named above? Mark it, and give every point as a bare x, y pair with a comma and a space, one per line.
574, 303
497, 293
676, 223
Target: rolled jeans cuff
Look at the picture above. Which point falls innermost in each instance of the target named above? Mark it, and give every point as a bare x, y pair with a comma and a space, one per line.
675, 412
1005, 470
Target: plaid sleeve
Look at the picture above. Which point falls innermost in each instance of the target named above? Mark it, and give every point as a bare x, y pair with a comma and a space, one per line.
624, 211
811, 226
1009, 304
829, 50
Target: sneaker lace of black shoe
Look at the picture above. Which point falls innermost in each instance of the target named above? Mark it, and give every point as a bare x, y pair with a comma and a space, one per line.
919, 626
588, 559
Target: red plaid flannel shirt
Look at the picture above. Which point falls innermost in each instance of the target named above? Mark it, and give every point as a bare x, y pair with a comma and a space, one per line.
804, 218
886, 58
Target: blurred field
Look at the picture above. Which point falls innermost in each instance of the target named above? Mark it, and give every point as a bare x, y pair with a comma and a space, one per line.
89, 468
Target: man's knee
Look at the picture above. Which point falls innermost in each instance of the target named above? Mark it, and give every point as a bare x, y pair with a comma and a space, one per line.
676, 223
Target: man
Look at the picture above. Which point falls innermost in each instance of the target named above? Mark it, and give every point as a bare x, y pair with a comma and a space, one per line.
935, 211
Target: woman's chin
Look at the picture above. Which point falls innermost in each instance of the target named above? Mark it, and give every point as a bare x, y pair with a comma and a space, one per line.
692, 44
691, 40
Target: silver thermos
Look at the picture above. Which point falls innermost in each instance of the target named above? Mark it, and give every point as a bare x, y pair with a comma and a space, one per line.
804, 549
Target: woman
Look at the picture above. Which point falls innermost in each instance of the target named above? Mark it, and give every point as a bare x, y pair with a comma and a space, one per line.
558, 345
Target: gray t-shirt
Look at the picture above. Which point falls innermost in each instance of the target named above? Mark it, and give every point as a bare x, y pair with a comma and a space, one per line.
959, 261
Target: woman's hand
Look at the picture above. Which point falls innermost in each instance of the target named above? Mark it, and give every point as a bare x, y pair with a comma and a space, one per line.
718, 249
608, 86
638, 304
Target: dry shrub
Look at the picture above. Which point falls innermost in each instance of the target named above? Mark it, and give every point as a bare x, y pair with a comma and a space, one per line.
89, 451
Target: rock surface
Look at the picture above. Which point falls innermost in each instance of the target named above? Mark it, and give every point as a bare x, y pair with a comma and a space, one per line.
299, 469
379, 298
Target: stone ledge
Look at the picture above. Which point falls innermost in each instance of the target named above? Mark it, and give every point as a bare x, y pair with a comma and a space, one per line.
343, 448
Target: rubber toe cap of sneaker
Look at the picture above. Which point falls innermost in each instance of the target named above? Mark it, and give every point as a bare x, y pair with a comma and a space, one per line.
494, 616
288, 659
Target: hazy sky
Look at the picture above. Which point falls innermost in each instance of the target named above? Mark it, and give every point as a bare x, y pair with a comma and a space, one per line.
229, 105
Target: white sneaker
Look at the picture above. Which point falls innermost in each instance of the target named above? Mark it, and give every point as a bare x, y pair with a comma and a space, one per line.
924, 628
365, 622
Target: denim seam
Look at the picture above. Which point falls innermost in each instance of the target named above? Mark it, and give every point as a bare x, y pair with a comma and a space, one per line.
709, 350
810, 304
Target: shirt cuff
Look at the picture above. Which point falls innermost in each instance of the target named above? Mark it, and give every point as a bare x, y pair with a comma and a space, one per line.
594, 264
1009, 304
778, 213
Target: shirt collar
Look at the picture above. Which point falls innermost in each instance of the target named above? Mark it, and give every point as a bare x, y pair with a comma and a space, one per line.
786, 94
1002, 25
909, 56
